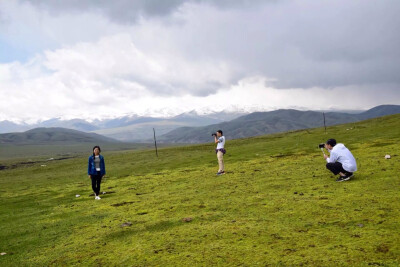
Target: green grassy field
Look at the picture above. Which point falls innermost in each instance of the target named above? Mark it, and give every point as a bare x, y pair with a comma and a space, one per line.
24, 152
276, 206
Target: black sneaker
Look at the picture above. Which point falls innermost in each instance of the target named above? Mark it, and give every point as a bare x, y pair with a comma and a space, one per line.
341, 179
348, 176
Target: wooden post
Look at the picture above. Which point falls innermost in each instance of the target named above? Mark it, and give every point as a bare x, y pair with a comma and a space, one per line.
155, 141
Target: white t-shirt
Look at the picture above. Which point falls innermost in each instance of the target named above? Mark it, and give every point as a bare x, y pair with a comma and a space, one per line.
341, 154
221, 142
97, 163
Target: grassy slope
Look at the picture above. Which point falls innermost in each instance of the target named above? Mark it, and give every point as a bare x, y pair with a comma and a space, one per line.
277, 205
24, 152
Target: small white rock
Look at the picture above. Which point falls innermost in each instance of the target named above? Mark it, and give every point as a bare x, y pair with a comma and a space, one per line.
78, 195
3, 253
387, 157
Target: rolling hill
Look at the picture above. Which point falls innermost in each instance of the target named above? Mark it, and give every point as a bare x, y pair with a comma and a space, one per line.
141, 129
260, 123
131, 128
57, 143
52, 136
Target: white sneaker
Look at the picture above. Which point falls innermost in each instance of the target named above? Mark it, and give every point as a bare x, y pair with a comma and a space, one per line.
98, 198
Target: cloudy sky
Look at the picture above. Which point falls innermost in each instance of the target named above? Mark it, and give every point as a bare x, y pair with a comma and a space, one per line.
98, 58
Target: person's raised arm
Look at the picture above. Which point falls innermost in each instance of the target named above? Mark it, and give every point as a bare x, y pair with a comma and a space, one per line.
332, 157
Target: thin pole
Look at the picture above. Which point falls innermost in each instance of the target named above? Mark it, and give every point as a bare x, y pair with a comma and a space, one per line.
323, 113
155, 141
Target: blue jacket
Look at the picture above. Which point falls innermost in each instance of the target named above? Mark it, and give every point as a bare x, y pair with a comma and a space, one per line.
92, 167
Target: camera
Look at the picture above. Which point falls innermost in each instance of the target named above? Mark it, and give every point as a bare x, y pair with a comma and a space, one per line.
322, 145
214, 134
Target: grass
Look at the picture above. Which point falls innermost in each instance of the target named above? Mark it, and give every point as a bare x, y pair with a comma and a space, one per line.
56, 150
277, 205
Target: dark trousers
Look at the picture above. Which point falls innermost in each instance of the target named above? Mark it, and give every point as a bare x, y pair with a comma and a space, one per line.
96, 181
336, 168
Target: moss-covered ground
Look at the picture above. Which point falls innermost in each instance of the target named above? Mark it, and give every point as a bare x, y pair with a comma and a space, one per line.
277, 205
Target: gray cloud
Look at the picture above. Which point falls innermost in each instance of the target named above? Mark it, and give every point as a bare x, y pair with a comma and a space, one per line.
125, 11
128, 11
296, 44
305, 44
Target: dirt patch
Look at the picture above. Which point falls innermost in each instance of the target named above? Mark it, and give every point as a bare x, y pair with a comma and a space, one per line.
122, 204
60, 158
27, 163
126, 224
282, 155
276, 236
383, 248
188, 170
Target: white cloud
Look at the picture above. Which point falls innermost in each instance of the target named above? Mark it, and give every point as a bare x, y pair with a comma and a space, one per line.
106, 76
115, 60
196, 54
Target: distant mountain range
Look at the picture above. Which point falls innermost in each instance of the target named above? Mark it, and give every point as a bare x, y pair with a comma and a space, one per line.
127, 128
261, 123
60, 136
196, 127
141, 129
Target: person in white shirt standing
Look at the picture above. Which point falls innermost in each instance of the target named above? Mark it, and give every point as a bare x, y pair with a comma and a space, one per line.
340, 161
220, 141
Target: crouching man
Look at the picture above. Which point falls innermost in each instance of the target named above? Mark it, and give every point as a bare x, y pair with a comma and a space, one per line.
220, 141
340, 161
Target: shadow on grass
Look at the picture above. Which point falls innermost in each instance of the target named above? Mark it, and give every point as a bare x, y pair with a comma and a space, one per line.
123, 232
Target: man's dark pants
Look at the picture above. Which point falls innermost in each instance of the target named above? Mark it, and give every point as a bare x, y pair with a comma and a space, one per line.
336, 168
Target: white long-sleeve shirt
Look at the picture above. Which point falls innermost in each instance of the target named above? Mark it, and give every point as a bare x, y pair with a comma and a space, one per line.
342, 154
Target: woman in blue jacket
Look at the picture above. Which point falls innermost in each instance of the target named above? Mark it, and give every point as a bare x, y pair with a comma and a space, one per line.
96, 170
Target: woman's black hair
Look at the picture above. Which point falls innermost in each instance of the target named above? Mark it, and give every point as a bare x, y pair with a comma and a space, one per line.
220, 132
94, 148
